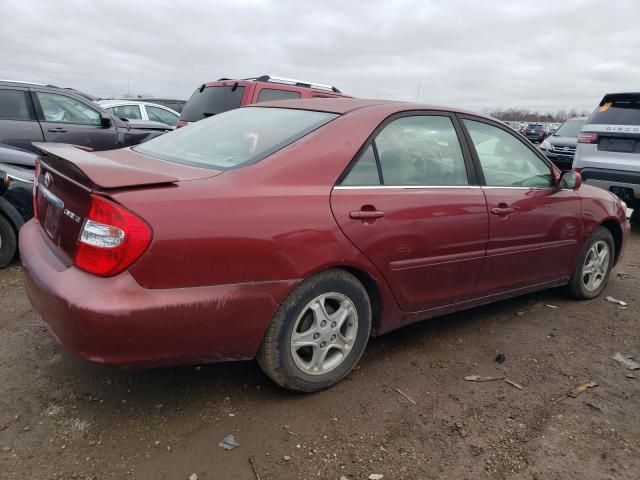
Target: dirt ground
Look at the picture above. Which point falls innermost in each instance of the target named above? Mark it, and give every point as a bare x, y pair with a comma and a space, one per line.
62, 418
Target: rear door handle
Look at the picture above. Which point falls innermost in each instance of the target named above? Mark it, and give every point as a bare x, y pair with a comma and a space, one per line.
57, 130
502, 211
366, 214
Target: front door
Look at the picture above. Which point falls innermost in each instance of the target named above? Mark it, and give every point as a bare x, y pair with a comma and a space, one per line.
409, 203
65, 119
534, 226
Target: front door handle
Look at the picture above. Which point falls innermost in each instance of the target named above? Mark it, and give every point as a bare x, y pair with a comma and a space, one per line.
366, 214
502, 210
57, 130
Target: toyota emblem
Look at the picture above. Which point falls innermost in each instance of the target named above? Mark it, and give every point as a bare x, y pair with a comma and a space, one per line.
48, 179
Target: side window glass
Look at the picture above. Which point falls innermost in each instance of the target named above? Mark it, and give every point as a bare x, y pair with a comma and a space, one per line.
421, 150
505, 160
14, 105
269, 94
127, 111
364, 172
60, 108
161, 115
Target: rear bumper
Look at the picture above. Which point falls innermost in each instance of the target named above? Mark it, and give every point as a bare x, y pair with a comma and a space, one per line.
116, 321
623, 183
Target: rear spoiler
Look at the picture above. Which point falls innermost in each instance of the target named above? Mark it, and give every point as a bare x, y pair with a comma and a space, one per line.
101, 171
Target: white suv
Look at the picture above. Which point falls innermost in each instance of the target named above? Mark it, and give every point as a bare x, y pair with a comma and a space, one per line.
608, 151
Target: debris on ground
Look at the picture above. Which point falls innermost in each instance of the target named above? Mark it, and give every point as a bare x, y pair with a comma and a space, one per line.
550, 306
500, 358
594, 406
411, 400
460, 428
615, 300
520, 313
514, 384
580, 389
626, 361
478, 378
229, 442
286, 458
630, 375
193, 476
253, 467
376, 476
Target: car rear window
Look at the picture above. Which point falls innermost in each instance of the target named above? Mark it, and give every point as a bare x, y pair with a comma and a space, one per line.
211, 101
623, 111
570, 128
235, 138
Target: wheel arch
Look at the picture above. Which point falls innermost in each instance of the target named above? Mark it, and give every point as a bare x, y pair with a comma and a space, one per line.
613, 226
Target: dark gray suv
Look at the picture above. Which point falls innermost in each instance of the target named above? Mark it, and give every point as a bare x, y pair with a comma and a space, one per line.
31, 112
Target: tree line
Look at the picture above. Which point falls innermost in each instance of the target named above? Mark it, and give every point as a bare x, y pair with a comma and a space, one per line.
527, 115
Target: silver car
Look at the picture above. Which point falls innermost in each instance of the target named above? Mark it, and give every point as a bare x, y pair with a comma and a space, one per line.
608, 151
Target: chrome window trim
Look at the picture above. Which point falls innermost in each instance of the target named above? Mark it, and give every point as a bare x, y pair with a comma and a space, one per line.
405, 187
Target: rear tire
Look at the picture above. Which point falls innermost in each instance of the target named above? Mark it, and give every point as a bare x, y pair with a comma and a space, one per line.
593, 266
8, 242
318, 333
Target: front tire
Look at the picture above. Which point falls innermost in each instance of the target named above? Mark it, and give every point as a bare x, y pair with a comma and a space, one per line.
318, 333
8, 242
593, 266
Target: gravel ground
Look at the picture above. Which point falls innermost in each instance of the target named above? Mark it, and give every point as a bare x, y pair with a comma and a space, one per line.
62, 418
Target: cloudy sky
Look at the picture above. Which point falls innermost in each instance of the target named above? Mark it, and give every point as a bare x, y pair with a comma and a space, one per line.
539, 54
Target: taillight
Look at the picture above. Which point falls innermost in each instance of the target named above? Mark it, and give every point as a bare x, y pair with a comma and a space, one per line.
588, 137
112, 238
36, 175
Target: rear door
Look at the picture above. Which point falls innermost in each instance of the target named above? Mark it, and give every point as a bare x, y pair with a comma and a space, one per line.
18, 122
67, 119
410, 203
534, 226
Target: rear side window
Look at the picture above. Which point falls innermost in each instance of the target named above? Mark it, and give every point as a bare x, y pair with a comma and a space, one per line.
235, 138
15, 106
625, 111
211, 101
270, 94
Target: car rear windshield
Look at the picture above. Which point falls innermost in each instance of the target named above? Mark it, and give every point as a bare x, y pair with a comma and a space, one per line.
211, 101
239, 137
570, 128
625, 111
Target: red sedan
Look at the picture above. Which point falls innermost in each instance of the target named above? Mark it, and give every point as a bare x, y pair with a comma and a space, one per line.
292, 231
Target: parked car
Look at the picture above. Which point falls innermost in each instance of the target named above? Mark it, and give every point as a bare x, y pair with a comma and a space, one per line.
561, 145
16, 198
173, 104
225, 94
294, 230
608, 152
136, 110
32, 112
535, 132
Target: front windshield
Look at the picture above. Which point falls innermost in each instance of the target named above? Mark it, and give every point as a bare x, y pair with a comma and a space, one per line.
235, 138
570, 128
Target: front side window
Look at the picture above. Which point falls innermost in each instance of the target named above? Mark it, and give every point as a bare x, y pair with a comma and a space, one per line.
161, 115
126, 111
505, 160
60, 108
235, 138
14, 105
419, 150
270, 94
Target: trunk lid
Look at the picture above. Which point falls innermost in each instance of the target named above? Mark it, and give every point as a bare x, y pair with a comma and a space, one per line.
68, 176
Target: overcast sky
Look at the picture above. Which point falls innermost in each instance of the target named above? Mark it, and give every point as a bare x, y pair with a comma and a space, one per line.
538, 54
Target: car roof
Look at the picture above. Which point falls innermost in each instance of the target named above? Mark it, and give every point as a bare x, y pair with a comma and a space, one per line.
342, 105
118, 103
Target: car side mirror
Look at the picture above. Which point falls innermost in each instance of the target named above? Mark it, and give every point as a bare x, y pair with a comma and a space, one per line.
570, 180
105, 121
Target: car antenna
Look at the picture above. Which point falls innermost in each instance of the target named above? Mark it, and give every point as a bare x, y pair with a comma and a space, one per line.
235, 85
202, 88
